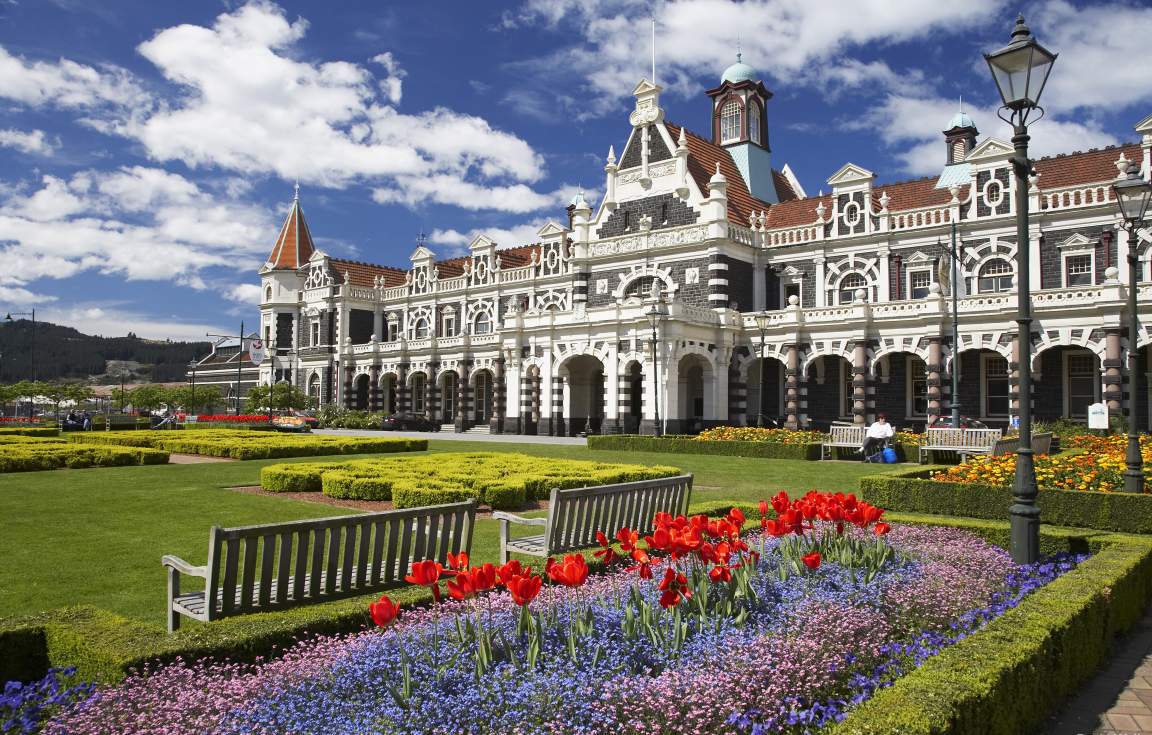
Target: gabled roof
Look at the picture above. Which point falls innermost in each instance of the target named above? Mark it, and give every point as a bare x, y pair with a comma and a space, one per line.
294, 245
1089, 167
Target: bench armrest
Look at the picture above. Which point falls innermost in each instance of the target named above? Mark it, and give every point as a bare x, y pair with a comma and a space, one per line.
184, 567
502, 516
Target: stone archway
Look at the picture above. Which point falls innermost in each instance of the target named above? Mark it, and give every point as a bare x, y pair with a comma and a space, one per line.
449, 390
583, 394
693, 399
765, 391
482, 400
830, 390
360, 388
388, 393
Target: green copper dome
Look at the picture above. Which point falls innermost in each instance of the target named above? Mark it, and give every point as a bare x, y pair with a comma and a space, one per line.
961, 120
738, 72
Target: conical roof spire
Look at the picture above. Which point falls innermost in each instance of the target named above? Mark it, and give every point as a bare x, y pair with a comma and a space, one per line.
294, 244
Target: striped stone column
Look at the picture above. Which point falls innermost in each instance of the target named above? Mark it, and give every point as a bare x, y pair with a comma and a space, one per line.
860, 382
432, 391
557, 423
792, 387
623, 399
462, 392
403, 392
935, 377
717, 281
374, 400
580, 287
499, 397
528, 402
1112, 376
348, 386
738, 394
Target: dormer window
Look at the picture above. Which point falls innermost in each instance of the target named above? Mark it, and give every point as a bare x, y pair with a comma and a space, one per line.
730, 122
754, 123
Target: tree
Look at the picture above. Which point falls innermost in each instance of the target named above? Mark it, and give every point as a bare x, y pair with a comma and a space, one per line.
148, 397
190, 399
281, 396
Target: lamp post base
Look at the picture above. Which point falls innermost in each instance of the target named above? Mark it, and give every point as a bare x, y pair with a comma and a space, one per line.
1025, 528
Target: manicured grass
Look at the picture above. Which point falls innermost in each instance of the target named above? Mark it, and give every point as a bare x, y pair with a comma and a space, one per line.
96, 536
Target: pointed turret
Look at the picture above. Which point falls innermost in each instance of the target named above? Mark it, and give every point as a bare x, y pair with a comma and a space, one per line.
294, 245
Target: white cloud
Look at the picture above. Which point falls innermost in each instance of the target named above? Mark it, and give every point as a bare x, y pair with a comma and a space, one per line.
135, 222
331, 123
109, 321
18, 296
799, 41
32, 141
517, 198
914, 125
67, 84
243, 293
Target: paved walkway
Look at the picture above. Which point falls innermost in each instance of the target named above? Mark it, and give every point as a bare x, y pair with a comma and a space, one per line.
465, 437
1118, 700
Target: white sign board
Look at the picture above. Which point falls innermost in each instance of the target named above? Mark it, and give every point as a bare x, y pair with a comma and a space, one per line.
1098, 416
256, 351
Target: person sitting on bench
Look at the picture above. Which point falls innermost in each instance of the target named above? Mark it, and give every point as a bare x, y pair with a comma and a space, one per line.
879, 432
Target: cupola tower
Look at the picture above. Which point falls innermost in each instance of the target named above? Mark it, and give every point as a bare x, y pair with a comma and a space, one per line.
740, 124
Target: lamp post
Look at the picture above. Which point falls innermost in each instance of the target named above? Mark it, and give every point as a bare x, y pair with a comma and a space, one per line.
31, 355
655, 314
1020, 71
192, 400
955, 253
1133, 195
762, 325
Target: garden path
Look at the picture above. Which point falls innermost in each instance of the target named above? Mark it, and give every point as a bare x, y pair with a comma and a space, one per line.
463, 437
1118, 700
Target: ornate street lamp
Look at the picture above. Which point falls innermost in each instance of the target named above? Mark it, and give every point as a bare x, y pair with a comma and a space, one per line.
655, 314
1133, 195
762, 325
1020, 71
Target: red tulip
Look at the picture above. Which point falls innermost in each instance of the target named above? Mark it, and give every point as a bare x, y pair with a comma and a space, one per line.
674, 587
881, 529
461, 587
524, 589
512, 569
483, 577
606, 553
780, 502
572, 572
627, 538
426, 574
459, 561
763, 508
812, 561
383, 612
720, 574
736, 518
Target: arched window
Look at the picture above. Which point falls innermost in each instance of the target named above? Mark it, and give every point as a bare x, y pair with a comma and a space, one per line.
268, 294
314, 386
420, 329
483, 324
730, 122
848, 286
418, 388
995, 276
754, 122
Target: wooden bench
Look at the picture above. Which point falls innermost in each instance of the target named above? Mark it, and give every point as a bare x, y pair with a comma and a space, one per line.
843, 435
576, 514
1041, 444
964, 442
280, 565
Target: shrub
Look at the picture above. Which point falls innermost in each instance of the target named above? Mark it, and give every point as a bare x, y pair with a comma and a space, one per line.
755, 434
501, 480
29, 454
916, 492
246, 444
30, 431
686, 445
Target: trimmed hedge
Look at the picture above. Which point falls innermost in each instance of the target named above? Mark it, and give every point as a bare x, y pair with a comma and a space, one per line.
502, 480
914, 492
36, 431
30, 454
683, 445
248, 444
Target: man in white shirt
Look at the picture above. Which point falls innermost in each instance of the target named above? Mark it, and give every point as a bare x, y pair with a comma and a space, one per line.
876, 434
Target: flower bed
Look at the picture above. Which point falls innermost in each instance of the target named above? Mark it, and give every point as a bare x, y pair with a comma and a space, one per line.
244, 444
32, 454
754, 434
501, 480
1097, 466
778, 632
233, 419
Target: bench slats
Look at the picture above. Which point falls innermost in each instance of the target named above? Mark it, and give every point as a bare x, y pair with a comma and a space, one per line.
272, 566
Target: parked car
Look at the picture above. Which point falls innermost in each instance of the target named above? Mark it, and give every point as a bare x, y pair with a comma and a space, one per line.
407, 422
966, 422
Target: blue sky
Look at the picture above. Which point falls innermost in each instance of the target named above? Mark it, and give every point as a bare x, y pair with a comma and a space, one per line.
148, 149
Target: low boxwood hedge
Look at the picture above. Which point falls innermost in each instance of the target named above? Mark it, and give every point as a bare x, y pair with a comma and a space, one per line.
501, 480
246, 444
37, 431
914, 491
30, 454
686, 445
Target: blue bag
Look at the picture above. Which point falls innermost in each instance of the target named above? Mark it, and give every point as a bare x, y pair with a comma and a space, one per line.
889, 455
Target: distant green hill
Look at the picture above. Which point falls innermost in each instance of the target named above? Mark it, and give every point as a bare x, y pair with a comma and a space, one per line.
63, 352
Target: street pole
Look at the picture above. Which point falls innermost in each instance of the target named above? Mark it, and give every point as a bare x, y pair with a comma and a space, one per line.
1134, 472
239, 367
763, 382
656, 429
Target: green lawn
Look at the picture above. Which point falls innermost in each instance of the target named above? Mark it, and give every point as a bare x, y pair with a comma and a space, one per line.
95, 536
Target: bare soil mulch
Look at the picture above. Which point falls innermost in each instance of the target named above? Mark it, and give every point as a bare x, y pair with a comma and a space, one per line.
174, 458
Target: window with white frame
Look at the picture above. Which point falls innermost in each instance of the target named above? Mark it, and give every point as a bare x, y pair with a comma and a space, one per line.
421, 329
919, 283
794, 288
994, 374
418, 385
482, 324
995, 276
730, 122
846, 389
449, 324
754, 122
1081, 386
917, 381
314, 332
849, 285
393, 329
1078, 269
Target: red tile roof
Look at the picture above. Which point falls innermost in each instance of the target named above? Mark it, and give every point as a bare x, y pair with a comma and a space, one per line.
797, 212
1089, 167
703, 155
294, 245
784, 190
364, 274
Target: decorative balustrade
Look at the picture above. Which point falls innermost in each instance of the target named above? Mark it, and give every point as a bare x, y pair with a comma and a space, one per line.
420, 344
451, 284
365, 349
742, 235
396, 292
517, 275
794, 235
914, 219
913, 307
484, 339
775, 318
830, 314
698, 314
449, 342
1082, 295
1081, 196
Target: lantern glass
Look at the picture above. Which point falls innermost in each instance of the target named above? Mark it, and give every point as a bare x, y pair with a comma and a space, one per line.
1021, 69
1133, 196
761, 321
